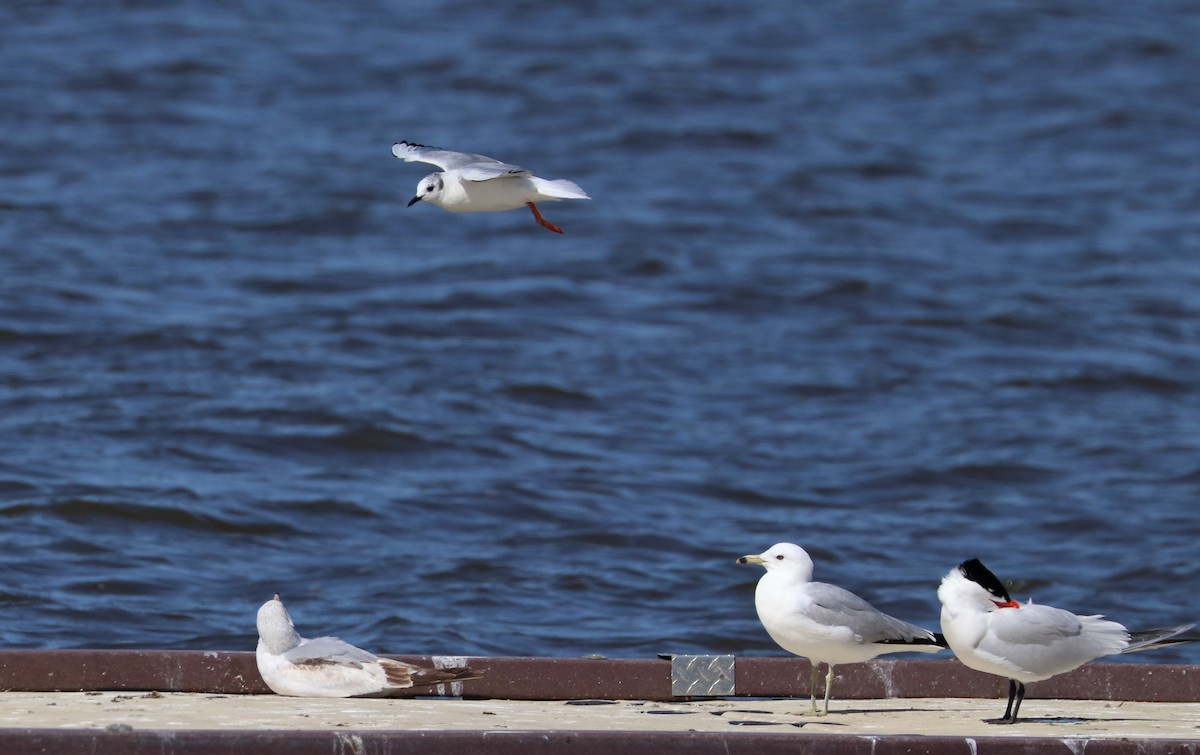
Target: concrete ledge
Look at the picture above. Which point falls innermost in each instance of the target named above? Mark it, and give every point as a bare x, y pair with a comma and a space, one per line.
185, 702
573, 678
547, 743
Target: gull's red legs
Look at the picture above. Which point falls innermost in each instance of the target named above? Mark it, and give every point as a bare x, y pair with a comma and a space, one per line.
542, 221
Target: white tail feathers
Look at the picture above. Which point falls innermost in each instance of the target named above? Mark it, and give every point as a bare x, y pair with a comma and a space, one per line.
560, 189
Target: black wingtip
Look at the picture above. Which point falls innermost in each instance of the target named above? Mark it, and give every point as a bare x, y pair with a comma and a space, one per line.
920, 636
975, 571
937, 640
1148, 639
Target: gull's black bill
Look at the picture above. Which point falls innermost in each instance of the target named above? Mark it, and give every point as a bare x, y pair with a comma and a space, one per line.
413, 201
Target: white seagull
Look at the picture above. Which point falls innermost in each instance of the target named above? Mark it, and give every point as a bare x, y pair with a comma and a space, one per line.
474, 183
823, 622
992, 633
329, 667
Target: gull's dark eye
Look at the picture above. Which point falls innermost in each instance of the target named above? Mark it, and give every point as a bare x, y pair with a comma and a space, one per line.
429, 188
779, 557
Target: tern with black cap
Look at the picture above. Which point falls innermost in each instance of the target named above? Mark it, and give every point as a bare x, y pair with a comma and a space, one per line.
1024, 642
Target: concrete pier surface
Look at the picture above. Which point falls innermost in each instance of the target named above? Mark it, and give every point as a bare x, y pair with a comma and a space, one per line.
192, 702
956, 717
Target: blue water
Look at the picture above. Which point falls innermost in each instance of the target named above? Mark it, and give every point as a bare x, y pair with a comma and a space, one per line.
903, 282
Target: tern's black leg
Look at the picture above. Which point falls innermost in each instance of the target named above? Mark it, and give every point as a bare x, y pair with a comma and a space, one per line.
1020, 697
1012, 694
1016, 692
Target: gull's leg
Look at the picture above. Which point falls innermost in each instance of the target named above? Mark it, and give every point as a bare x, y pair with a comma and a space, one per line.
828, 686
542, 221
814, 678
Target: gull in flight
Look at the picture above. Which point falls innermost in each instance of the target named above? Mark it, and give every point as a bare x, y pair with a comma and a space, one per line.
329, 667
825, 623
1023, 642
474, 183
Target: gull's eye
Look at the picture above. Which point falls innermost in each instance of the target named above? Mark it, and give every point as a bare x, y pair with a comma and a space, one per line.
779, 557
429, 188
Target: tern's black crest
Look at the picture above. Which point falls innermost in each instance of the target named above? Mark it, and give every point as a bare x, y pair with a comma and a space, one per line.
980, 575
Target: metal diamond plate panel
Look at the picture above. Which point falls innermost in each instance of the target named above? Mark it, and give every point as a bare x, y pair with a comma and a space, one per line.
702, 675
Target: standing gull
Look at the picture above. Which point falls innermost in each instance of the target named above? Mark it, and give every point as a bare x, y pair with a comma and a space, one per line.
992, 633
329, 667
823, 622
474, 183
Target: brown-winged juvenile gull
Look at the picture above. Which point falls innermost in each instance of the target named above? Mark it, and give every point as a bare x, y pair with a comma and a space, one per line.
825, 623
474, 183
329, 667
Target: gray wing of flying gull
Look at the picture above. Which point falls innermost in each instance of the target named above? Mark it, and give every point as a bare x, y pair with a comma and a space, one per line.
328, 650
835, 606
470, 166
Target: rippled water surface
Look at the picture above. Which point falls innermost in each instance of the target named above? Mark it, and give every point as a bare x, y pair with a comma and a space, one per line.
903, 282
